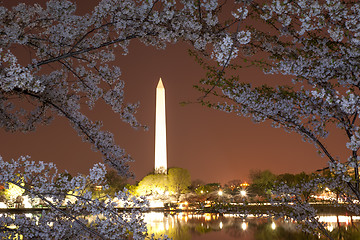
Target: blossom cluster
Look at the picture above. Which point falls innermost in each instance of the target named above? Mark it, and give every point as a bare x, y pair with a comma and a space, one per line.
71, 210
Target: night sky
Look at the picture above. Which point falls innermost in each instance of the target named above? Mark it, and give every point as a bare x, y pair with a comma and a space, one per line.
214, 146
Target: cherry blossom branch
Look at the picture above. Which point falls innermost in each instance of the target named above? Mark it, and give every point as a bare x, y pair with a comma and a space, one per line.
91, 231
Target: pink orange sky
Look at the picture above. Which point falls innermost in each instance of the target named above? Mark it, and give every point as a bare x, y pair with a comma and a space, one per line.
214, 146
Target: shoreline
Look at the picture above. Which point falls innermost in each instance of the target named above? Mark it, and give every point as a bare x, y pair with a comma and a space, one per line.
240, 209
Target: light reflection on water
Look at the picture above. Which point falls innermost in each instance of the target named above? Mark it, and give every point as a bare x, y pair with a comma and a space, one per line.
211, 226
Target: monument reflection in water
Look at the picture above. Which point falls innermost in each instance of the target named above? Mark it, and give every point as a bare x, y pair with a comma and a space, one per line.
183, 226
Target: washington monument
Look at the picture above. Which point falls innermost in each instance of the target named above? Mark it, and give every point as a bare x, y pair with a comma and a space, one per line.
160, 131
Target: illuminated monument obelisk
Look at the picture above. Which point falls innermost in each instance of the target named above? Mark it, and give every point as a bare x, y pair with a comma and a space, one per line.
160, 130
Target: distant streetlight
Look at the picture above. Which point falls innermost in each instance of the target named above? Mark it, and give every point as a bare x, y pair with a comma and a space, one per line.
244, 226
243, 193
220, 193
273, 226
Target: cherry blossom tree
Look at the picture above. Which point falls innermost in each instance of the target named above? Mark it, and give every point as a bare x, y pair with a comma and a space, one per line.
71, 55
315, 45
72, 212
70, 68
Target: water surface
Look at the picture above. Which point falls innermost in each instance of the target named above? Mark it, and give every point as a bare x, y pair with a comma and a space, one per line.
212, 226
